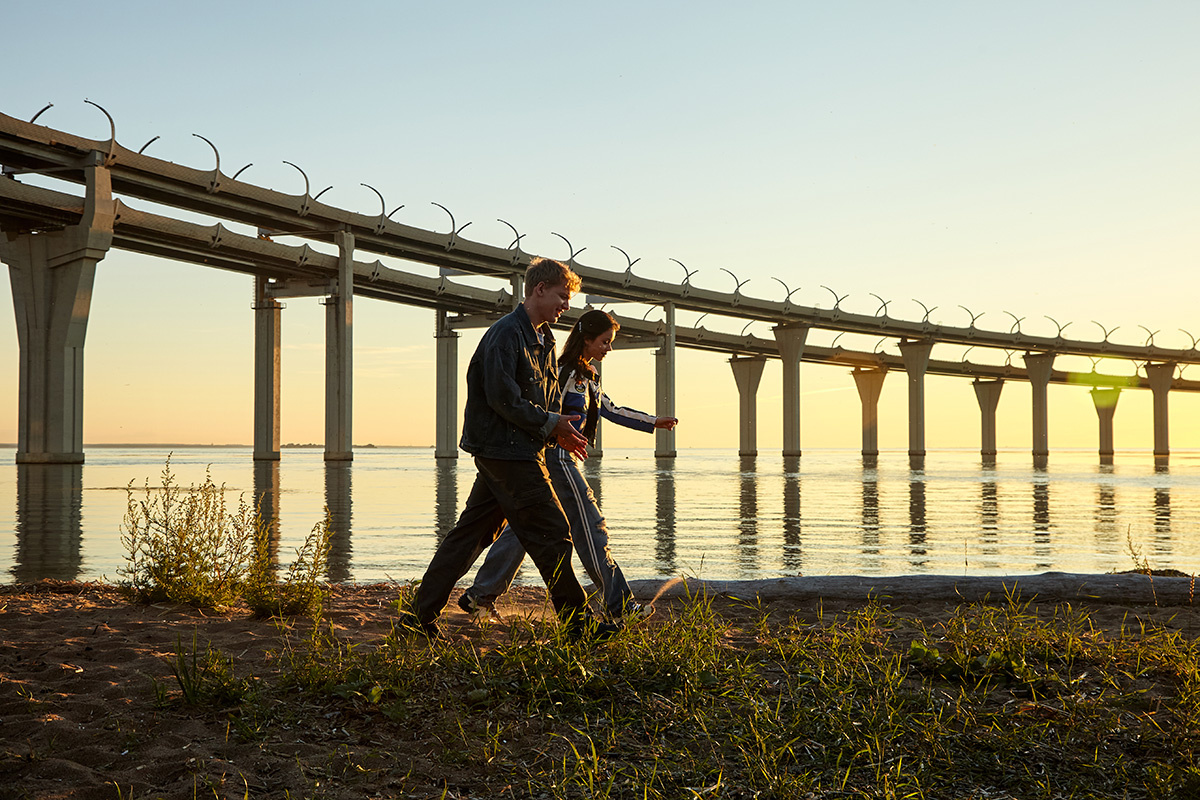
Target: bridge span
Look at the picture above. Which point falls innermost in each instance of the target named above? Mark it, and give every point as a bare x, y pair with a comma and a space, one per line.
53, 240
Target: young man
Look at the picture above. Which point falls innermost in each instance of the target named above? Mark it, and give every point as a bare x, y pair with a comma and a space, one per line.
512, 409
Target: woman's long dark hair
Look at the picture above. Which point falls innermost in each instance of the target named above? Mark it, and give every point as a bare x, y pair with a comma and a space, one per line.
592, 324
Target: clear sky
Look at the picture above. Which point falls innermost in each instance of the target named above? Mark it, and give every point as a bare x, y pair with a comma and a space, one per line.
1029, 157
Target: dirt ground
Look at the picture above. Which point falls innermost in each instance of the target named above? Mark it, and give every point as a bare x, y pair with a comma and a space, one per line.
79, 717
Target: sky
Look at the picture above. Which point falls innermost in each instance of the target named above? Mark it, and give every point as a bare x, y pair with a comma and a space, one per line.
1019, 159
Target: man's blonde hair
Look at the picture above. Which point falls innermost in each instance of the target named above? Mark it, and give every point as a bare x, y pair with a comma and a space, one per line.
551, 273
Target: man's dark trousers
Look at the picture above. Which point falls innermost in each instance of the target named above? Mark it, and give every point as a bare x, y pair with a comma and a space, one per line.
520, 492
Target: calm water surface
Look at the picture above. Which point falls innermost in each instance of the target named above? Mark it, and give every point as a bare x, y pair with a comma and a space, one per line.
706, 513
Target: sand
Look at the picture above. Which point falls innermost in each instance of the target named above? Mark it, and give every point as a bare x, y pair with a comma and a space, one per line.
78, 666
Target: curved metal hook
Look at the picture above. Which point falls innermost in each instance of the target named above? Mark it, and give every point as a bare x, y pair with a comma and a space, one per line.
1107, 331
648, 310
516, 242
304, 206
45, 108
112, 126
876, 349
290, 164
973, 315
969, 349
570, 247
738, 289
1061, 328
787, 289
835, 339
112, 133
837, 301
747, 325
1195, 339
696, 324
142, 149
1016, 326
928, 310
215, 181
1150, 339
1008, 355
687, 274
883, 304
323, 191
629, 262
240, 171
453, 231
383, 215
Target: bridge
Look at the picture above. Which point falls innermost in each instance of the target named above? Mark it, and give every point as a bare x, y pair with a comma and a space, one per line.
54, 239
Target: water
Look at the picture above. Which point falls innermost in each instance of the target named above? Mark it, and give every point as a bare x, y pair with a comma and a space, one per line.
708, 513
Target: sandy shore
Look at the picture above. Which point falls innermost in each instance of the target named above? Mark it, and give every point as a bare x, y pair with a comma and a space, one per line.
79, 718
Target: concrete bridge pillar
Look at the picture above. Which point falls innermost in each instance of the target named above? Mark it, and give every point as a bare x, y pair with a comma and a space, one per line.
790, 339
1040, 366
1161, 377
916, 360
988, 395
664, 379
446, 388
339, 356
52, 274
518, 290
748, 372
870, 384
1105, 401
267, 341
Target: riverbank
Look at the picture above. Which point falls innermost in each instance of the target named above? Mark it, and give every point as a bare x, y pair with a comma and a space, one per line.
802, 687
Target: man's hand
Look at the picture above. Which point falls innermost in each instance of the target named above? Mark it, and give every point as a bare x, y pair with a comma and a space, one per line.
668, 423
570, 439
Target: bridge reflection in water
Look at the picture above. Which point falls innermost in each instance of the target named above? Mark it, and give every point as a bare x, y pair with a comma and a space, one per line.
711, 513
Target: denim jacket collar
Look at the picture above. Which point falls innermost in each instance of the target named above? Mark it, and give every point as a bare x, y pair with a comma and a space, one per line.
528, 331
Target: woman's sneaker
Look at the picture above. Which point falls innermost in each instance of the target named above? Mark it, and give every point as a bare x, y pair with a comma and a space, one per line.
479, 610
633, 614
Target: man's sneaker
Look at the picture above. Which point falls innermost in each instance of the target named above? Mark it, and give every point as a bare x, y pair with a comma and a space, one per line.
633, 614
408, 623
479, 610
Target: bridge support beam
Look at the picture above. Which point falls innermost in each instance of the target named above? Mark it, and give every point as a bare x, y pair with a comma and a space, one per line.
267, 341
1161, 376
1040, 366
748, 372
916, 360
987, 393
664, 380
790, 339
446, 388
870, 384
339, 356
52, 274
1105, 401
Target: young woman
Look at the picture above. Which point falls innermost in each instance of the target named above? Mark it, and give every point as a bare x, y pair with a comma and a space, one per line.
589, 341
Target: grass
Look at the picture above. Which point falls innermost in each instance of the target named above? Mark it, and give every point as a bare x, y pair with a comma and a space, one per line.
186, 545
998, 701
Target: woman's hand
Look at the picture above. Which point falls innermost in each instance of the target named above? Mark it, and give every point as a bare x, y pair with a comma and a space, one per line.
668, 423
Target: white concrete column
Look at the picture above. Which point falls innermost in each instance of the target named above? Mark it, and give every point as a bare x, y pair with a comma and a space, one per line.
52, 273
339, 356
1040, 366
445, 388
790, 340
664, 380
916, 360
988, 395
518, 290
1161, 377
1105, 401
747, 372
267, 341
869, 383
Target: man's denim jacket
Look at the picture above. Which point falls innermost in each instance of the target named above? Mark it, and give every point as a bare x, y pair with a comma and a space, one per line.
512, 391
